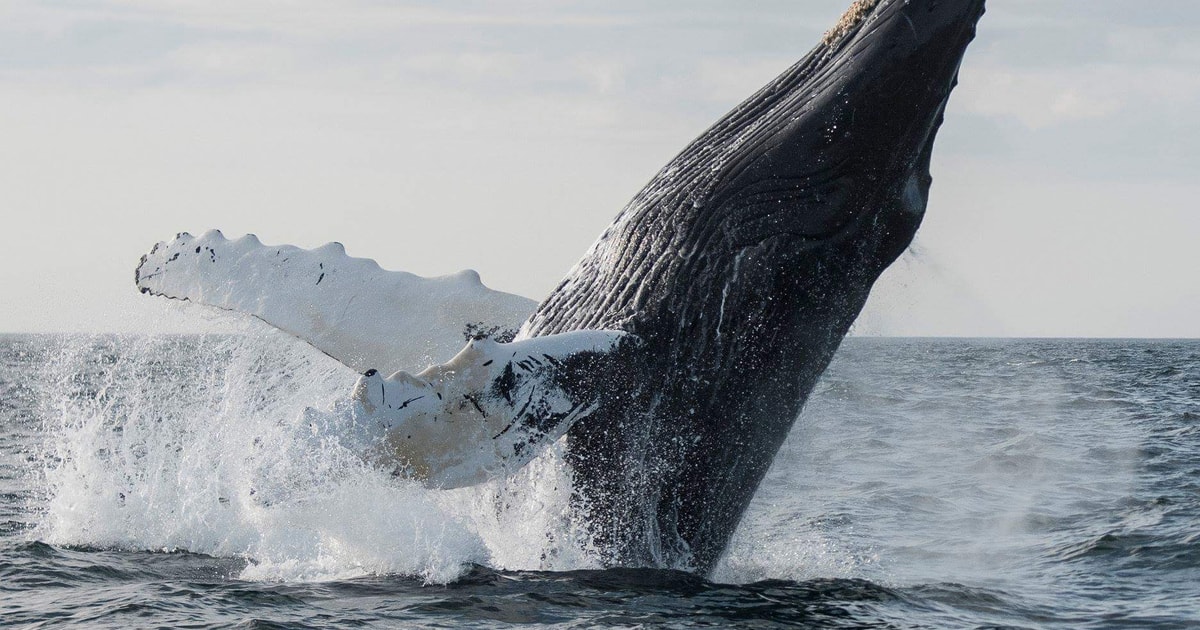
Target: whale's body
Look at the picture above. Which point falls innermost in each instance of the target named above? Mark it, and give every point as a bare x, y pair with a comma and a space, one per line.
716, 299
741, 266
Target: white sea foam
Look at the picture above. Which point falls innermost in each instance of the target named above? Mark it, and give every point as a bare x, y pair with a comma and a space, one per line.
203, 444
788, 553
206, 444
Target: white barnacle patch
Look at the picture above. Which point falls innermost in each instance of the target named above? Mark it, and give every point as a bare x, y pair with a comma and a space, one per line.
850, 19
483, 414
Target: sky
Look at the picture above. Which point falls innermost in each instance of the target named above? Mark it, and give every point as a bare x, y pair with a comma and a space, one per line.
503, 137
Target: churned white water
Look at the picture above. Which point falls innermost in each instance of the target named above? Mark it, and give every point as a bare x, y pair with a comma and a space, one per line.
933, 483
206, 444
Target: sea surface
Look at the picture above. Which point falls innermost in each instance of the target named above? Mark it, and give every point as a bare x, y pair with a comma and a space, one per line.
173, 481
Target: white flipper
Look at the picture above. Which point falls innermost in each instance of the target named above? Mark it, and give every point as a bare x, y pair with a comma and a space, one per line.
487, 412
349, 308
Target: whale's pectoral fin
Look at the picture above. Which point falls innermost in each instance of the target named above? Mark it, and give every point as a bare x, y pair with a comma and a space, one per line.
488, 411
349, 308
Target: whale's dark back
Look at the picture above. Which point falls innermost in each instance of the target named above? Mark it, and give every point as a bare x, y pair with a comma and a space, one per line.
741, 266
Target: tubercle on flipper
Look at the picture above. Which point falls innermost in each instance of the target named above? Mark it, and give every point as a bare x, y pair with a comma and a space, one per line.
334, 250
351, 308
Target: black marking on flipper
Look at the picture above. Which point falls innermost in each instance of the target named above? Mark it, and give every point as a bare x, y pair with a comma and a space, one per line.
516, 417
541, 426
321, 278
510, 425
410, 400
520, 413
488, 362
506, 383
477, 330
534, 360
476, 403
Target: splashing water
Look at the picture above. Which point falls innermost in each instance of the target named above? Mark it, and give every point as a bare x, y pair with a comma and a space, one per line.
946, 483
206, 444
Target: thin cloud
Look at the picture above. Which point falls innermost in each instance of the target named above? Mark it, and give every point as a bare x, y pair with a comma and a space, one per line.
1048, 97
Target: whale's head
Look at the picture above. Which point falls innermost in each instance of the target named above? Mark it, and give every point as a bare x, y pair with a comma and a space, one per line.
793, 202
841, 143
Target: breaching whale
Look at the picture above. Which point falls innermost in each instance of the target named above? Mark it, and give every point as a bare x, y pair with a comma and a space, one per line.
680, 349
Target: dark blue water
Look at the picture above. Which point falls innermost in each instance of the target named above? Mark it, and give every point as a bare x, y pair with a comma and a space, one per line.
165, 481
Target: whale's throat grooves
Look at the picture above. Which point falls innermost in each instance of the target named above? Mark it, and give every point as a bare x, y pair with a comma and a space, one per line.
741, 265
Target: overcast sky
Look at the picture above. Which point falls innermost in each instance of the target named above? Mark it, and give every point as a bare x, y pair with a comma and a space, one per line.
503, 137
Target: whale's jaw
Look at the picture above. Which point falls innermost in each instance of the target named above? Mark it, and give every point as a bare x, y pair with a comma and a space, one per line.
742, 265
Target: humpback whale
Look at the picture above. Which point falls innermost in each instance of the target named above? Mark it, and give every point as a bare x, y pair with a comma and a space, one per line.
678, 352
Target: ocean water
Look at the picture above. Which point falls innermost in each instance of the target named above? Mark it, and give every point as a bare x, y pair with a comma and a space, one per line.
173, 481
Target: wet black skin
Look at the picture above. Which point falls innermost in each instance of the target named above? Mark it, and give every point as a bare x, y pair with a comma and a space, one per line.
741, 266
